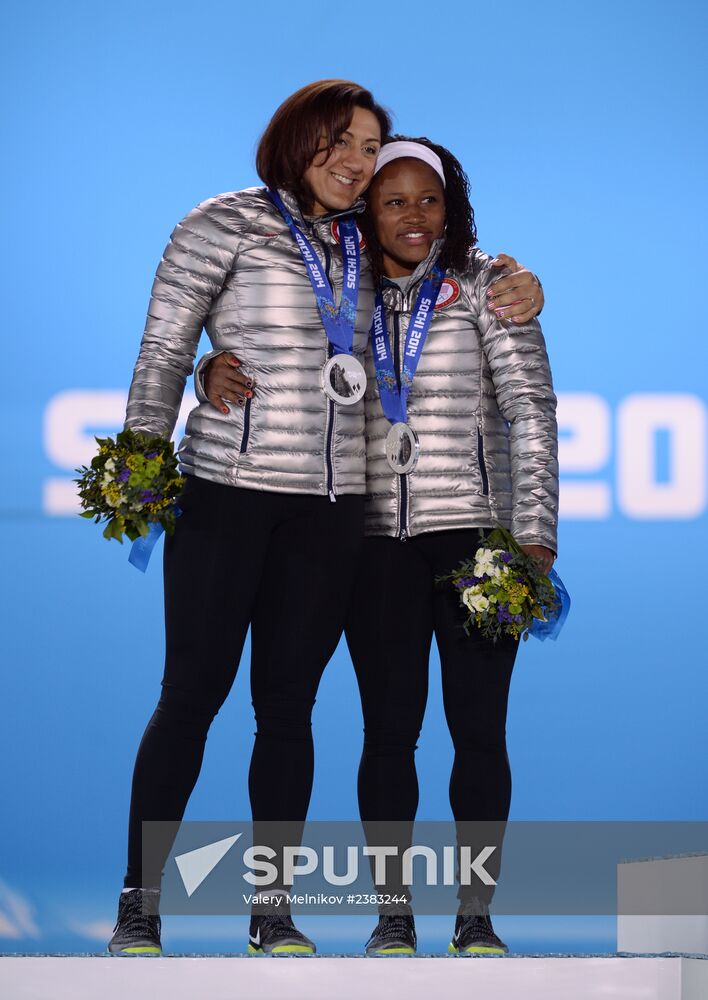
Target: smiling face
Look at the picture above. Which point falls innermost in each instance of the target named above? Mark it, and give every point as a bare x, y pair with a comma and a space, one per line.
337, 179
407, 205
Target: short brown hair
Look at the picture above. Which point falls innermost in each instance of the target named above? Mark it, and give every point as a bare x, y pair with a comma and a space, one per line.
293, 135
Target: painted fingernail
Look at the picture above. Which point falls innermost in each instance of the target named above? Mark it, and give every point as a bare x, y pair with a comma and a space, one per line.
240, 402
500, 311
249, 395
224, 410
249, 385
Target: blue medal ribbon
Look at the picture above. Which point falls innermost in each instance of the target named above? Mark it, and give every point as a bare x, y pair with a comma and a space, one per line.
338, 322
394, 400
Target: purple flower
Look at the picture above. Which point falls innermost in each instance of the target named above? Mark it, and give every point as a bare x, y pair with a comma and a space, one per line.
124, 475
151, 454
147, 496
506, 557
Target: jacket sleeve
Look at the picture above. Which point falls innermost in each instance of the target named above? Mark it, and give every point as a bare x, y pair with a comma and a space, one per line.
191, 274
523, 385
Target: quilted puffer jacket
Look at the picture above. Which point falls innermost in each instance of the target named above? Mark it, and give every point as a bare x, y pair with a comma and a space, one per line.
232, 267
483, 408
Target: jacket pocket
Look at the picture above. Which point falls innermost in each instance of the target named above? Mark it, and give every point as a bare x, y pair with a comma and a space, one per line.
482, 463
246, 426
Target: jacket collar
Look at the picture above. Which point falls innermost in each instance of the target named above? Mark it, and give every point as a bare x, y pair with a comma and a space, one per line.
293, 207
394, 291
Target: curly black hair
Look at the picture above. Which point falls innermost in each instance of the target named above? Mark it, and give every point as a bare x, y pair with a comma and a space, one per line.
460, 229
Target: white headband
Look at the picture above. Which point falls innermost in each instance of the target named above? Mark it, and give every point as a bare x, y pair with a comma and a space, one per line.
397, 150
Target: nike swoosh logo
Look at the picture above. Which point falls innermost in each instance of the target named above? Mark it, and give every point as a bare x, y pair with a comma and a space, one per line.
256, 939
456, 936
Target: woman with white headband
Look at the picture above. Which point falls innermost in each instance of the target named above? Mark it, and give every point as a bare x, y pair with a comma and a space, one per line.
251, 379
461, 434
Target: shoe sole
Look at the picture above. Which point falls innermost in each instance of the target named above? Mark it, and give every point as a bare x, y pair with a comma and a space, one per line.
403, 952
147, 950
476, 949
283, 949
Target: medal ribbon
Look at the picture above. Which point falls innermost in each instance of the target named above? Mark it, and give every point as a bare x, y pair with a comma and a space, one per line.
338, 322
393, 399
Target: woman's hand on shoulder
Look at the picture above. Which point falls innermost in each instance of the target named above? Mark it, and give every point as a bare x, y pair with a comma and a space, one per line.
517, 296
544, 557
225, 382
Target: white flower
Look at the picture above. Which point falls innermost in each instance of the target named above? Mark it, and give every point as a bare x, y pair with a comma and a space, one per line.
484, 563
472, 599
107, 480
110, 465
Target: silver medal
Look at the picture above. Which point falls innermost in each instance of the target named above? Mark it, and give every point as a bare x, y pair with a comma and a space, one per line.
402, 448
344, 379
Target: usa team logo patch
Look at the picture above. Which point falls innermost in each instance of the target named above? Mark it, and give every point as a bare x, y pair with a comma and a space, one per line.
335, 235
449, 293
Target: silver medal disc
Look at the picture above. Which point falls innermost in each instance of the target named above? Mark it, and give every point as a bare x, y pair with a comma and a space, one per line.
402, 448
344, 379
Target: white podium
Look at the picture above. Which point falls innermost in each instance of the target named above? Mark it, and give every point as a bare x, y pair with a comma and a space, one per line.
350, 978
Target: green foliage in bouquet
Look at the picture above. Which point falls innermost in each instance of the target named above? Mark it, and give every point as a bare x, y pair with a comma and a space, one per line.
502, 588
131, 483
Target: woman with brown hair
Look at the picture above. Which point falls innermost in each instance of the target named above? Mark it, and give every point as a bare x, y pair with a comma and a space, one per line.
289, 464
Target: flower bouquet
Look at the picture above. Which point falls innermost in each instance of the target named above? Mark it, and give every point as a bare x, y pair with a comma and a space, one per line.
132, 484
503, 590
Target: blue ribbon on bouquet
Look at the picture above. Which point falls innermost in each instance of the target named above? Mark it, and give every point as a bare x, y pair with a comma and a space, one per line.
141, 549
551, 628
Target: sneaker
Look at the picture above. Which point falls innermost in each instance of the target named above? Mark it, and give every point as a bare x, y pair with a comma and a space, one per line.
276, 934
474, 935
137, 929
393, 935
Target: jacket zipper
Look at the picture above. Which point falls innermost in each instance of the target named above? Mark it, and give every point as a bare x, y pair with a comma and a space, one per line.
482, 463
246, 426
330, 404
402, 477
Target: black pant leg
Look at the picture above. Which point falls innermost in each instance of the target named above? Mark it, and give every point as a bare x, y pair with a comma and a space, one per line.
476, 676
297, 623
212, 568
389, 633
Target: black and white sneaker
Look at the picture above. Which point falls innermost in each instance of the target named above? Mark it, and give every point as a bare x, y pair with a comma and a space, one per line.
474, 935
137, 929
393, 935
276, 934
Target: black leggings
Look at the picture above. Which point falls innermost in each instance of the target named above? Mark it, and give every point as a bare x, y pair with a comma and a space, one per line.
283, 564
397, 607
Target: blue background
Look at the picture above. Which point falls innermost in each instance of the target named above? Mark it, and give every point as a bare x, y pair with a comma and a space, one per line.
582, 128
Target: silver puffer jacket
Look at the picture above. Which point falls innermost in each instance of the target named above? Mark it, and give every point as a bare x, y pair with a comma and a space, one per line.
483, 407
233, 267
